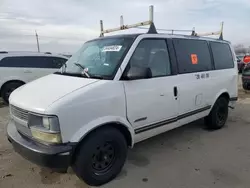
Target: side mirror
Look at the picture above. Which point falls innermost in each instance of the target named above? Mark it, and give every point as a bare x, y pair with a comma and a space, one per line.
246, 59
135, 73
238, 60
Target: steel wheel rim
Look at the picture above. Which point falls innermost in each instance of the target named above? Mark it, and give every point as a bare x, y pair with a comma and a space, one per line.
103, 158
221, 114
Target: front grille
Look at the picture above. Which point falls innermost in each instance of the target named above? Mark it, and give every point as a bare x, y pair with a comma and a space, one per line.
19, 113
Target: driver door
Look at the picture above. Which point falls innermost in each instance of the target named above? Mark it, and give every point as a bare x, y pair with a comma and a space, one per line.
151, 103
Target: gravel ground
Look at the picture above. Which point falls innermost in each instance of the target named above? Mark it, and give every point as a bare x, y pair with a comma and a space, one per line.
187, 157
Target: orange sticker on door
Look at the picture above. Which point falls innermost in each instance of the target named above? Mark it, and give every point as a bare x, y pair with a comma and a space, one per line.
194, 59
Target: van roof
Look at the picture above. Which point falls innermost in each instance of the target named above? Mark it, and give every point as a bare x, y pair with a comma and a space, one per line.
163, 35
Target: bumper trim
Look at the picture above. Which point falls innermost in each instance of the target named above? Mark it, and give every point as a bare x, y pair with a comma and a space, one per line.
52, 156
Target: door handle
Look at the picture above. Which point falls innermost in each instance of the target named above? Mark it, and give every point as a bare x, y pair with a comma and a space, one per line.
175, 92
27, 71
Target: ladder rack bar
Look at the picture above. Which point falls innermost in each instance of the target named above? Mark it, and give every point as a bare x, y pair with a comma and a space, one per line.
151, 13
126, 27
123, 27
101, 26
121, 21
209, 33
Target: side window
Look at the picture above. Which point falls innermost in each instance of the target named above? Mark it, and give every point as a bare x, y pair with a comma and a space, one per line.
192, 55
12, 62
152, 53
33, 62
222, 54
5, 62
57, 62
36, 62
46, 62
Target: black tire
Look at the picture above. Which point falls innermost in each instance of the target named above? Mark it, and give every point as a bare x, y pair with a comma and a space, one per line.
218, 115
246, 86
8, 89
101, 156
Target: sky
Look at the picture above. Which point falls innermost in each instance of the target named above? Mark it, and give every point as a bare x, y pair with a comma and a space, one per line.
64, 25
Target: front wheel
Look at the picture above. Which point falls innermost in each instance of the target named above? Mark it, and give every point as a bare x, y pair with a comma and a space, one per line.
218, 115
8, 89
101, 156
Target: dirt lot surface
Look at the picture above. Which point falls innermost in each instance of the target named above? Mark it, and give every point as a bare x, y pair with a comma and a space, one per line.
187, 157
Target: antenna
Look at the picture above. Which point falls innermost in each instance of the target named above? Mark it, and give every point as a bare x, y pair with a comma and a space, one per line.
152, 28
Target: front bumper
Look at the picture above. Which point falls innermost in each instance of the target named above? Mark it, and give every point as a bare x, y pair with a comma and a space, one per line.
52, 156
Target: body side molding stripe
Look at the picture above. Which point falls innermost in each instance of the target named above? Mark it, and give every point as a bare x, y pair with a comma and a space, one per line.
161, 123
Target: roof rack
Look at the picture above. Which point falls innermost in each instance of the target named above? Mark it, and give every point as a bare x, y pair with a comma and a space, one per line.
152, 28
150, 22
220, 33
3, 52
171, 31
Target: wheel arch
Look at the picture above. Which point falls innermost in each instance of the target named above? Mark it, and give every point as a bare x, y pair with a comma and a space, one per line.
10, 81
222, 93
123, 127
126, 132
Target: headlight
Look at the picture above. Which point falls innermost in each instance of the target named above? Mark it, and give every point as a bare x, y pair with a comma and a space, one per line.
46, 136
45, 128
46, 122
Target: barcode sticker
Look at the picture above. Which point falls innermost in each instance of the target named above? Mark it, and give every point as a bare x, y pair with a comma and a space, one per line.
114, 48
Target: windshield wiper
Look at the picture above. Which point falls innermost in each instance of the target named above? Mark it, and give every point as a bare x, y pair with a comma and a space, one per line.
84, 72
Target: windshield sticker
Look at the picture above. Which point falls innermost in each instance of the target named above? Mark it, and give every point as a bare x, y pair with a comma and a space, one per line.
114, 48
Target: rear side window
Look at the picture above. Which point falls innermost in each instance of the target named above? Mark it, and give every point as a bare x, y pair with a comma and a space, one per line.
192, 55
222, 54
33, 62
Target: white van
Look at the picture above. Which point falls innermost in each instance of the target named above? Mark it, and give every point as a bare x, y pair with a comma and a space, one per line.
117, 91
18, 68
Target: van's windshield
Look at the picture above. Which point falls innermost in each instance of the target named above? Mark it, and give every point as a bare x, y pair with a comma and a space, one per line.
98, 58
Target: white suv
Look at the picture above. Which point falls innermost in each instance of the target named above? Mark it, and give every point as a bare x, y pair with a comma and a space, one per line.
18, 68
117, 91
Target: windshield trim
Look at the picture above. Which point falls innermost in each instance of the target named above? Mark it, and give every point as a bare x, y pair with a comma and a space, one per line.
122, 58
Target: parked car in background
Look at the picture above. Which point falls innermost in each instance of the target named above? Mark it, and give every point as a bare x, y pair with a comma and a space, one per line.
246, 59
246, 77
240, 57
18, 68
240, 63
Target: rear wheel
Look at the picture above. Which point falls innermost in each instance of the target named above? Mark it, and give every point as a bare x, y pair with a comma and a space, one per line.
8, 89
101, 156
246, 86
218, 115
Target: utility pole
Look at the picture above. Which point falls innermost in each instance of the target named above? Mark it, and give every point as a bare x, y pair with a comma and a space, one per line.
37, 42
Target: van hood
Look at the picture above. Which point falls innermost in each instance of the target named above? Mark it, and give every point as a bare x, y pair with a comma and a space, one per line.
38, 95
